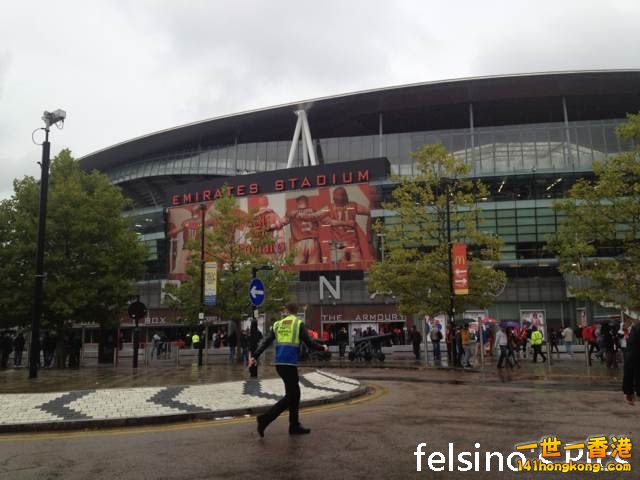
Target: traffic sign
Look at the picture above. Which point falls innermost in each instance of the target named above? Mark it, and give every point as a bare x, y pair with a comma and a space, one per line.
256, 292
137, 310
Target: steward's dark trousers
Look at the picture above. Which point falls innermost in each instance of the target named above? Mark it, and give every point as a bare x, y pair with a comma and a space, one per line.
631, 376
291, 399
537, 350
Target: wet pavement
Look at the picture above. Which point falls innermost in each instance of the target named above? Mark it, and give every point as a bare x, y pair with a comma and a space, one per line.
162, 373
367, 438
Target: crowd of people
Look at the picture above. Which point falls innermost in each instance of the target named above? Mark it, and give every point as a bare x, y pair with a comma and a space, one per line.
57, 349
511, 343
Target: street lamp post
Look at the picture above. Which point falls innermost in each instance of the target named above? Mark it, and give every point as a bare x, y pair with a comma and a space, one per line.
203, 210
452, 310
49, 118
381, 237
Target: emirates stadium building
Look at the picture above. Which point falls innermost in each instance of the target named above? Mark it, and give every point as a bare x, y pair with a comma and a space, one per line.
528, 137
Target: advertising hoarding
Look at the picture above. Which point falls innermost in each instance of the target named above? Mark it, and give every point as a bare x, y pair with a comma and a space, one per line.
326, 228
210, 283
460, 269
530, 318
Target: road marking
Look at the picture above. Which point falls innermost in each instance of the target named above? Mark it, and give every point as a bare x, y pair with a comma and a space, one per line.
377, 392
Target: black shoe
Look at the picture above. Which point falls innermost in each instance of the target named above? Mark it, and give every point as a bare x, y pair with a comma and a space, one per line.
299, 430
261, 425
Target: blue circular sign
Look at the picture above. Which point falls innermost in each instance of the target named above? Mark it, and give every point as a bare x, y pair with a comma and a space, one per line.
256, 292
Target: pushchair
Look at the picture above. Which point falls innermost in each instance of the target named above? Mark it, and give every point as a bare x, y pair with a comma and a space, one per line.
368, 348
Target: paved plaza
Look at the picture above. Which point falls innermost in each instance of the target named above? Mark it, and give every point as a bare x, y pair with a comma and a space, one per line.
367, 437
126, 406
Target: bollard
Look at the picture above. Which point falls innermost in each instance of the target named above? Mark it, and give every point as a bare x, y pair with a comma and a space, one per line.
177, 355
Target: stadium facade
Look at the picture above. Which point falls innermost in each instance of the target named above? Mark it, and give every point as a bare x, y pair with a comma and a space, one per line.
528, 137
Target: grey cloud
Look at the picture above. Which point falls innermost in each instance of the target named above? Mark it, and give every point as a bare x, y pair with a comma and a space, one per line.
129, 68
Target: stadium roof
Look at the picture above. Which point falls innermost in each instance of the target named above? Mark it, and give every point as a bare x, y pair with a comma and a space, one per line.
497, 100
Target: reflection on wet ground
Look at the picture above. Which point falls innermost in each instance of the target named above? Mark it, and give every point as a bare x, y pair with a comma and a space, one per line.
55, 380
563, 372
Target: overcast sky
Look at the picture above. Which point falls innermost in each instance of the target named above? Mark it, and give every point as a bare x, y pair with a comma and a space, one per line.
125, 68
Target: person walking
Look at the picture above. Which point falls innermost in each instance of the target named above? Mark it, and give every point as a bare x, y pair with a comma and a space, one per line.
18, 348
6, 346
631, 373
536, 344
195, 341
232, 341
343, 340
608, 345
48, 348
502, 342
244, 347
255, 336
567, 338
512, 346
436, 337
75, 346
416, 340
465, 341
554, 340
288, 333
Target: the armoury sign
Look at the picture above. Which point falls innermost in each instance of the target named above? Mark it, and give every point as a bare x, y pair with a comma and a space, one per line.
301, 178
322, 214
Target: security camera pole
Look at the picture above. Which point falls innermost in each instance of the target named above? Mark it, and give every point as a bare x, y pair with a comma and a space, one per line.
50, 118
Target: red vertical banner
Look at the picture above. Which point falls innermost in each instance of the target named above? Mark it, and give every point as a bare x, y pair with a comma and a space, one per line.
460, 269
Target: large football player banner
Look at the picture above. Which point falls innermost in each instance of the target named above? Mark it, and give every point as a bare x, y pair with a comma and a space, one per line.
327, 228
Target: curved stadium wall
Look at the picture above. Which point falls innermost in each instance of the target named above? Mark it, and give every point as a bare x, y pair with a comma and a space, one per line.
529, 137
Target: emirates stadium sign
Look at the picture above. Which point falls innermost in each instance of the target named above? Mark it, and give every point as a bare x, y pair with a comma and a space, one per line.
301, 178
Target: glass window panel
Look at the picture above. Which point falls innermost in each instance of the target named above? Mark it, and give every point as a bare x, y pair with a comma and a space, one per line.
250, 155
505, 213
369, 146
597, 140
404, 147
506, 230
546, 228
417, 141
242, 157
545, 212
542, 148
486, 153
526, 237
272, 155
343, 145
526, 228
355, 148
526, 212
391, 149
611, 139
526, 220
283, 154
546, 220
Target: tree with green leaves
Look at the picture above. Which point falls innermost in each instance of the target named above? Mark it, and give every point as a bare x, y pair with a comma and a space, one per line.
237, 243
92, 256
416, 259
597, 243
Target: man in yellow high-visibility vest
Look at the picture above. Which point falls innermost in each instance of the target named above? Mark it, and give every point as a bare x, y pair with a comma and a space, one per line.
536, 344
287, 333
